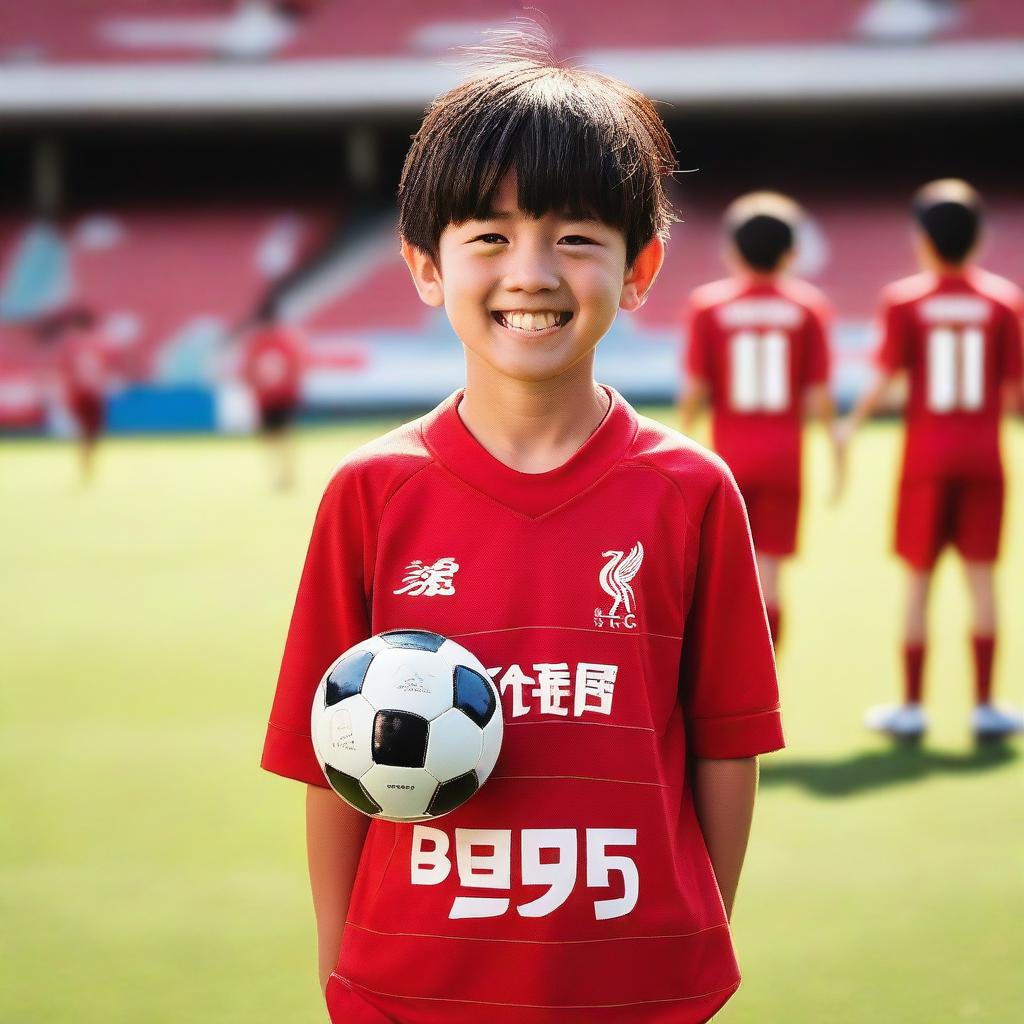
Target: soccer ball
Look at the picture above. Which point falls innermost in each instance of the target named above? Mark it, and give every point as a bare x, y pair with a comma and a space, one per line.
406, 725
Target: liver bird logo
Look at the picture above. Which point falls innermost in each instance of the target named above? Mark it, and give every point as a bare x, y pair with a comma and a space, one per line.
615, 580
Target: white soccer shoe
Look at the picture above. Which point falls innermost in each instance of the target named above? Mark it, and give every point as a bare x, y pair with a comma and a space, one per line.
900, 721
994, 722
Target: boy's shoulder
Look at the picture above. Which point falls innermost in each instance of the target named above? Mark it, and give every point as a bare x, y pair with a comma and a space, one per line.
792, 289
804, 294
909, 289
715, 293
695, 471
999, 289
378, 468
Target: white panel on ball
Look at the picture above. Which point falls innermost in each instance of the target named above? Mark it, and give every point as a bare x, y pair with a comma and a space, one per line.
343, 735
458, 655
415, 681
454, 745
492, 733
402, 792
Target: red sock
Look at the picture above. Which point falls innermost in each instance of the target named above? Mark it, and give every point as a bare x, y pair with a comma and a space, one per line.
913, 670
774, 622
984, 648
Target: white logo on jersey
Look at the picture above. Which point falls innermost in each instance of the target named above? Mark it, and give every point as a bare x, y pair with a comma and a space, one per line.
421, 580
615, 579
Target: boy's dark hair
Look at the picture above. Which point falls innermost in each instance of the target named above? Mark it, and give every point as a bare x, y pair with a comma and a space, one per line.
579, 142
762, 227
949, 213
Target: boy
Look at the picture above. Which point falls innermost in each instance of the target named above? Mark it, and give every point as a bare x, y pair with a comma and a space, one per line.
758, 352
82, 366
272, 367
599, 563
955, 331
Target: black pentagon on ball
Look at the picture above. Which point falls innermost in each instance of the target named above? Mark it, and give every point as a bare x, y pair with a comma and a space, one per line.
346, 678
453, 793
352, 790
400, 739
474, 696
414, 639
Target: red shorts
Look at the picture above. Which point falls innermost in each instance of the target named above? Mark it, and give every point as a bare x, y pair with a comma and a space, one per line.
87, 411
933, 513
774, 513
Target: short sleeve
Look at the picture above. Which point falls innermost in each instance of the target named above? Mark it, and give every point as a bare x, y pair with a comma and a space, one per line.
728, 685
697, 361
331, 614
818, 358
1012, 353
893, 353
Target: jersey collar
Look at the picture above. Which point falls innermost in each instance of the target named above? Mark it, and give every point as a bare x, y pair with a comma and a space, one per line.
531, 494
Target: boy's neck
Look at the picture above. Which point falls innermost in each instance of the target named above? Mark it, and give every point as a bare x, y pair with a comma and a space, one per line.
532, 427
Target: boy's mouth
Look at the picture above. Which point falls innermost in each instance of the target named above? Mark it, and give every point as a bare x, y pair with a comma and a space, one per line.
531, 322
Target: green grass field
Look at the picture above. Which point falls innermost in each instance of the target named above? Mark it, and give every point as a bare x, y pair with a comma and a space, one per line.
150, 873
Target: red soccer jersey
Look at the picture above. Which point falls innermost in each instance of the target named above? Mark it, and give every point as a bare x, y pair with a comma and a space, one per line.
959, 339
273, 366
616, 603
758, 345
83, 365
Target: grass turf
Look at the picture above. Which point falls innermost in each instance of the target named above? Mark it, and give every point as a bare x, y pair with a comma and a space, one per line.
149, 871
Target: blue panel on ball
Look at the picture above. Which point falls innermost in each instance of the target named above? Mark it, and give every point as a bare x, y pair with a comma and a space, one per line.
351, 790
346, 678
452, 794
414, 639
473, 695
400, 739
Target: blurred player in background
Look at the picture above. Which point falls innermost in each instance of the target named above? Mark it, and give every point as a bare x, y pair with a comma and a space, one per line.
955, 331
758, 353
83, 379
272, 367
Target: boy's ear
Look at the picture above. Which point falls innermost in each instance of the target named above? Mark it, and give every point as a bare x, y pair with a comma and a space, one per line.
640, 276
425, 274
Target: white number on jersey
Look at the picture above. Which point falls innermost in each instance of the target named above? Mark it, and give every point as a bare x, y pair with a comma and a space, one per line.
483, 857
955, 364
759, 371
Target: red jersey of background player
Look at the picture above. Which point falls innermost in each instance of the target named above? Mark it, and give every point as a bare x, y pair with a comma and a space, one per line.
273, 366
958, 336
759, 345
615, 602
82, 366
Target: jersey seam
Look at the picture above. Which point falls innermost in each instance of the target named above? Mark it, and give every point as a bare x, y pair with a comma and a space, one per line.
383, 513
536, 942
539, 1006
290, 732
738, 714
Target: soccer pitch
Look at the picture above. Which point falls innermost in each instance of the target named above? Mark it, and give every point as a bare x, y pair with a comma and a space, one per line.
151, 873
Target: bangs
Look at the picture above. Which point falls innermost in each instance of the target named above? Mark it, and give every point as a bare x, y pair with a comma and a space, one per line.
580, 145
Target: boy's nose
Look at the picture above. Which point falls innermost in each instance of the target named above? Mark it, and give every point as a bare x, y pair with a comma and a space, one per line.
530, 270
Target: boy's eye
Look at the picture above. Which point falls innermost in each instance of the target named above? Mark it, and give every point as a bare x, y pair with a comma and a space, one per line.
490, 238
578, 240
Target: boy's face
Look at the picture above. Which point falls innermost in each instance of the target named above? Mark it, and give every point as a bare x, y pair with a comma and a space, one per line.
531, 298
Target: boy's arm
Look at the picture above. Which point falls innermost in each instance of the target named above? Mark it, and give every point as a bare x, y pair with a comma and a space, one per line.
723, 794
334, 840
692, 402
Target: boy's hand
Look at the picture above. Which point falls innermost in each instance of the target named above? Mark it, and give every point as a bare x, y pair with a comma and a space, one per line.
841, 435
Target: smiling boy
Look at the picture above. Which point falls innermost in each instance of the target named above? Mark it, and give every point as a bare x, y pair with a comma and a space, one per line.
597, 562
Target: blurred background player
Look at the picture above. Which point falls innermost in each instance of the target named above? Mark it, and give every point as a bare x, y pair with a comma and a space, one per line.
758, 354
272, 367
83, 375
955, 330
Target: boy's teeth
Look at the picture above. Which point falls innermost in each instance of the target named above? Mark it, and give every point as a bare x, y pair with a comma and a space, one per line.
531, 321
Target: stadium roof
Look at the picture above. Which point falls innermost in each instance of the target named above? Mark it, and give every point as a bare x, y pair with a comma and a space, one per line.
214, 57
